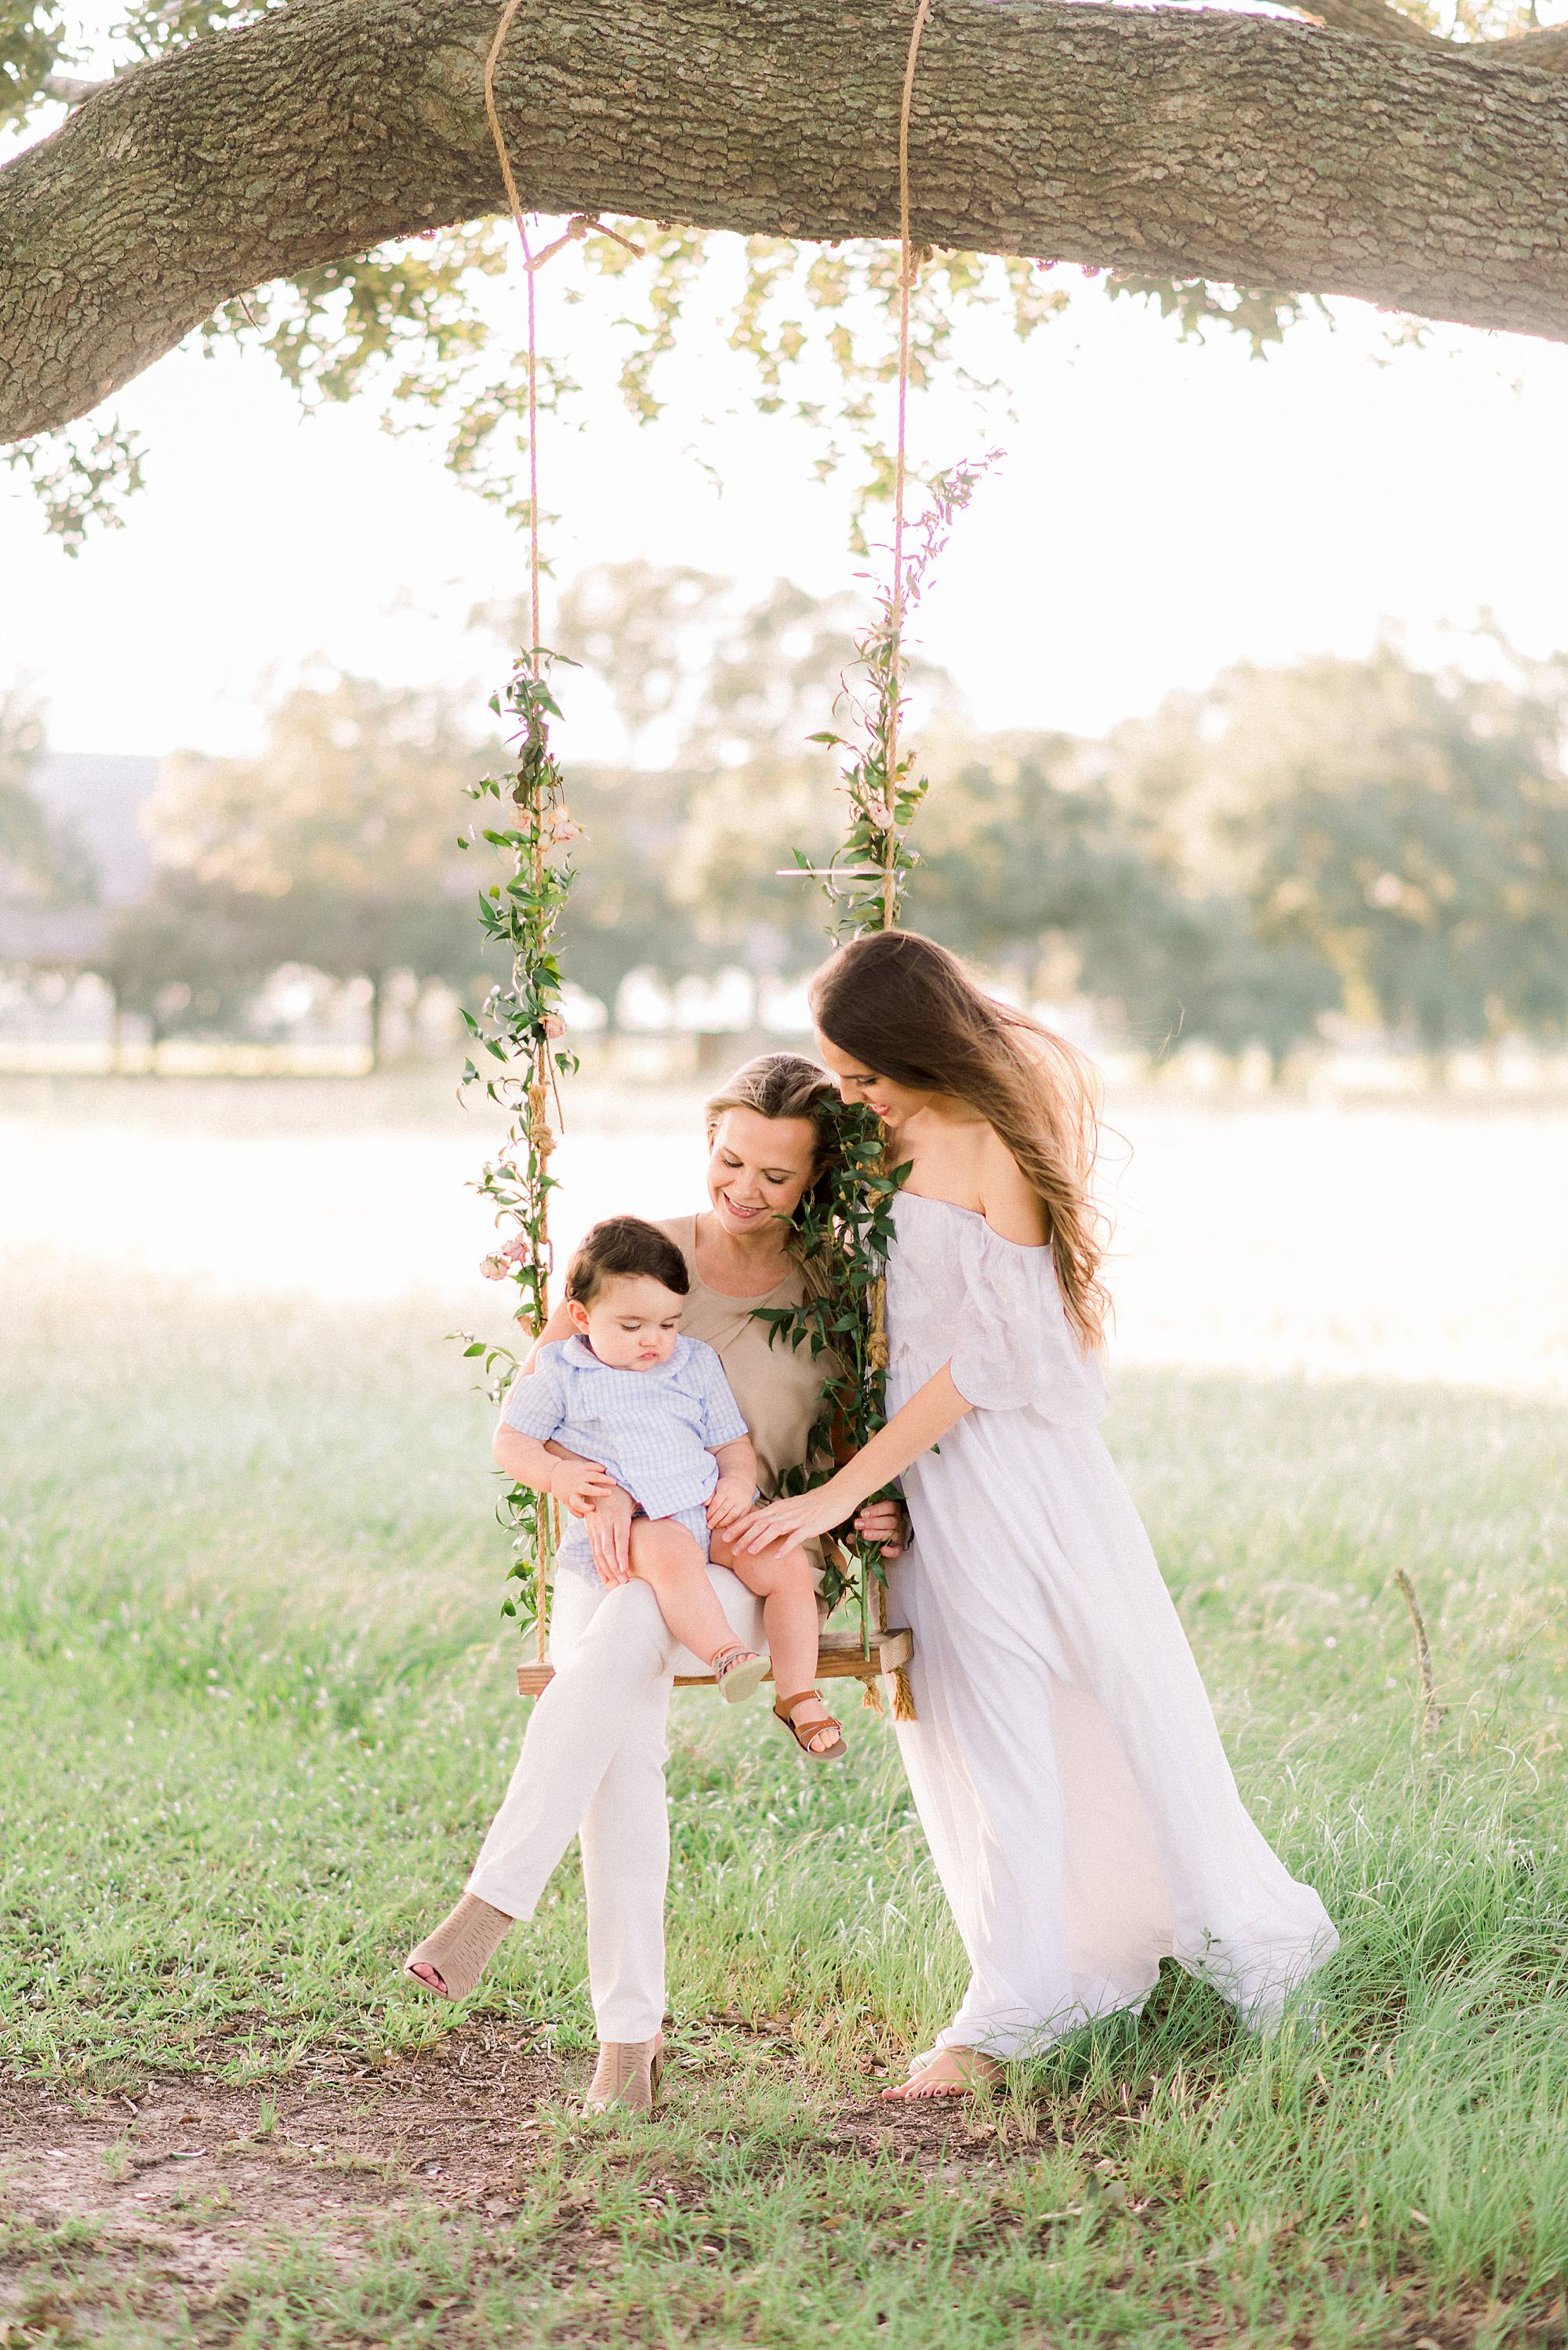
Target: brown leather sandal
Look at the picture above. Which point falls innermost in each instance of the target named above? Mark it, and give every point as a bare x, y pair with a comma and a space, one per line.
785, 1709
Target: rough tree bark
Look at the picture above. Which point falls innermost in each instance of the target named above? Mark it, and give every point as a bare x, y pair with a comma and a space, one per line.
1248, 148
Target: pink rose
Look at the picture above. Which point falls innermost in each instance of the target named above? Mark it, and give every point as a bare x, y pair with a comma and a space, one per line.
494, 1268
553, 1024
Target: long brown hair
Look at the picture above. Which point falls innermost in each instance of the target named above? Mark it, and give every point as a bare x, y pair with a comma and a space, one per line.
908, 1010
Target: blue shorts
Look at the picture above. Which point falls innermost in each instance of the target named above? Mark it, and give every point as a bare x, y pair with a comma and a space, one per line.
576, 1555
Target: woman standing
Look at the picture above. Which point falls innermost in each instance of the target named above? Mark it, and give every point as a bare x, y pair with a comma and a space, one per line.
593, 1759
1065, 1760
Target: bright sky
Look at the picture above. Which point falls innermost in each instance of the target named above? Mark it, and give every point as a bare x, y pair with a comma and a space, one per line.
1163, 509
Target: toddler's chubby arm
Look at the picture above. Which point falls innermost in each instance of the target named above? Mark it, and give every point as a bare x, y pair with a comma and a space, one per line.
735, 1493
526, 1447
581, 1484
586, 1500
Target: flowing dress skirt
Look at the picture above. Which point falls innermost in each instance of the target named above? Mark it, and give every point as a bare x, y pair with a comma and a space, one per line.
1066, 1763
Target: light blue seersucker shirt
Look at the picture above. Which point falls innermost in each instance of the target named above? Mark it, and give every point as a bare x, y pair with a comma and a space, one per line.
651, 1429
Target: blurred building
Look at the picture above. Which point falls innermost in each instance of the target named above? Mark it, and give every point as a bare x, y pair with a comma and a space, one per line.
92, 802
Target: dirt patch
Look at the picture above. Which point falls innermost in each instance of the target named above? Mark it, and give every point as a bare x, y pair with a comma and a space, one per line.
182, 2177
195, 2174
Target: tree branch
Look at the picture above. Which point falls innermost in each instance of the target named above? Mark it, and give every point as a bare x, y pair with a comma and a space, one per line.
1374, 20
67, 90
1545, 50
1247, 148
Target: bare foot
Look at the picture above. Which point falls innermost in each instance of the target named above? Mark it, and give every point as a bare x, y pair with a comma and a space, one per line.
421, 1972
949, 2073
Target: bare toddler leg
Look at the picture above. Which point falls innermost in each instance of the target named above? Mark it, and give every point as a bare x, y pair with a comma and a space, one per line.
666, 1558
784, 1583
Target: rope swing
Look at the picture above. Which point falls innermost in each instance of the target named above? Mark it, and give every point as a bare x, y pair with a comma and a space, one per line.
901, 454
520, 1025
884, 793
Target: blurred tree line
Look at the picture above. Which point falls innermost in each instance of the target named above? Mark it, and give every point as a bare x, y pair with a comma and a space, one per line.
33, 864
1352, 838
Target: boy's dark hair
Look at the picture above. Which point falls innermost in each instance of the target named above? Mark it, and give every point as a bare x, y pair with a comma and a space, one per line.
624, 1245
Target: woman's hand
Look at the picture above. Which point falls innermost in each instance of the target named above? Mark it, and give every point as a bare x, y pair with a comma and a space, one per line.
914, 1428
729, 1501
800, 1517
609, 1536
887, 1524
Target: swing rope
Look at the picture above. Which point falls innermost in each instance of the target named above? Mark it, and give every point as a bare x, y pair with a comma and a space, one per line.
507, 19
877, 1337
896, 602
542, 1073
540, 1135
580, 225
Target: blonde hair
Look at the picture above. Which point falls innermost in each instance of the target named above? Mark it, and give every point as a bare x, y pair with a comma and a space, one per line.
907, 1009
779, 1085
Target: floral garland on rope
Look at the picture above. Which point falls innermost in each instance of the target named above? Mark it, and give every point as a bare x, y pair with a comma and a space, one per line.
844, 1227
521, 1026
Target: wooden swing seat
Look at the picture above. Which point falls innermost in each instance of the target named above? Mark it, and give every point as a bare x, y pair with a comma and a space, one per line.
839, 1658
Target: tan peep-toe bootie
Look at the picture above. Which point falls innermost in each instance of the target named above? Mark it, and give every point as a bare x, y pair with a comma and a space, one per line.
627, 2073
460, 1948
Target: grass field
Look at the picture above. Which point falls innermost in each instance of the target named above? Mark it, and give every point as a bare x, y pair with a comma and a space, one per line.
256, 1695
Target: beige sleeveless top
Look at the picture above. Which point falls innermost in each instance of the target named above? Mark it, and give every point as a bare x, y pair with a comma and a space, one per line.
778, 1388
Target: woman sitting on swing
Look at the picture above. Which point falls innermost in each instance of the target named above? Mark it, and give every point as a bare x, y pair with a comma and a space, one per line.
593, 1760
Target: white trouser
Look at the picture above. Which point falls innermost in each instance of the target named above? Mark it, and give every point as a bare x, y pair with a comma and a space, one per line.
593, 1762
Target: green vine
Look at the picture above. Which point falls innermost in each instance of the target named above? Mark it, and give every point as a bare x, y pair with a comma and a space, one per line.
879, 779
520, 1028
845, 1228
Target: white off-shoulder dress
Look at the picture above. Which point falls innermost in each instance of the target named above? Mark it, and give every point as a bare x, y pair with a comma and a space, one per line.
1065, 1763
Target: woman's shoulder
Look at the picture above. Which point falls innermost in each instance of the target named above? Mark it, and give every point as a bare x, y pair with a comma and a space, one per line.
682, 1231
1011, 1205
